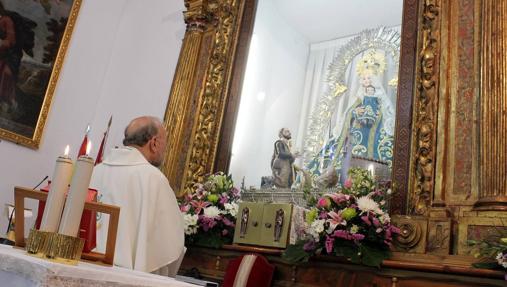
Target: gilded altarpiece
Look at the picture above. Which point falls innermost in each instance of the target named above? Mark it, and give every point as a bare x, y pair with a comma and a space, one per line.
452, 192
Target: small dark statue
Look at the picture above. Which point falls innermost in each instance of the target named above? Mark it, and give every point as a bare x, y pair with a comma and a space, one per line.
282, 163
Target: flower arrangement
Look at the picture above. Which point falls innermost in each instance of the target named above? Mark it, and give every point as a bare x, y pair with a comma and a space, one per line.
352, 223
209, 211
492, 251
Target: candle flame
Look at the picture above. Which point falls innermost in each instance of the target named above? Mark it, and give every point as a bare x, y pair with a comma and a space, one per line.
88, 147
66, 152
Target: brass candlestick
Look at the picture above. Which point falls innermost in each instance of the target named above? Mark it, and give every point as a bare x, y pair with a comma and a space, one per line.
55, 246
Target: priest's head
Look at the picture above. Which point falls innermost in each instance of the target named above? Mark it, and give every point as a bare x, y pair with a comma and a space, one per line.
148, 135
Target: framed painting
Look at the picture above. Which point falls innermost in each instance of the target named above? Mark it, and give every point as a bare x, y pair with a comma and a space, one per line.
34, 36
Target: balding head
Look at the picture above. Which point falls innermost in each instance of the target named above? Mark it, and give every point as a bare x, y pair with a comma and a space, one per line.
148, 135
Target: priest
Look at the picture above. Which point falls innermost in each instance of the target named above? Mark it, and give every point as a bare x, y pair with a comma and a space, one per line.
150, 230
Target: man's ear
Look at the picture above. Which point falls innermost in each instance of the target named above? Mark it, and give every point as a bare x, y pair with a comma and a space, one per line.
153, 144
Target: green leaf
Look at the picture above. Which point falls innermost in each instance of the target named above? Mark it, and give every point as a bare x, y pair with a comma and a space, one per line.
295, 254
209, 240
372, 256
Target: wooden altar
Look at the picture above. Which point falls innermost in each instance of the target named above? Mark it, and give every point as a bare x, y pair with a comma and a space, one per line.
399, 271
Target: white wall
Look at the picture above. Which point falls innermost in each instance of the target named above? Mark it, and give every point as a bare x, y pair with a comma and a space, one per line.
272, 93
121, 62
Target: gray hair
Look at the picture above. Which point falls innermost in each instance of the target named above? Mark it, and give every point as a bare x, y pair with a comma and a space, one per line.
141, 135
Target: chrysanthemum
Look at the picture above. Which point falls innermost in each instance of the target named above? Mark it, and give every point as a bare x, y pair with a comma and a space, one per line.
212, 212
366, 204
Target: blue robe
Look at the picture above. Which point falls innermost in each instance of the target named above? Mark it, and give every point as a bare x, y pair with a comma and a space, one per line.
362, 136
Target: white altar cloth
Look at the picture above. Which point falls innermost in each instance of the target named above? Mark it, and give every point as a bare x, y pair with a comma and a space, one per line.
19, 269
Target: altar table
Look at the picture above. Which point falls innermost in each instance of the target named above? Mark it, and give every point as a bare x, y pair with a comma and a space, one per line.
19, 269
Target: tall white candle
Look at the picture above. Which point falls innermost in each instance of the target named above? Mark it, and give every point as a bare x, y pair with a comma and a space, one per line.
56, 197
371, 169
74, 205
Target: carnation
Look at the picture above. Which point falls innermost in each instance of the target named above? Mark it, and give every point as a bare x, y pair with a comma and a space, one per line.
501, 258
190, 223
212, 212
316, 228
231, 208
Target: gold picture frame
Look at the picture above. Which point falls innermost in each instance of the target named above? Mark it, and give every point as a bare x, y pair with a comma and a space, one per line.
23, 113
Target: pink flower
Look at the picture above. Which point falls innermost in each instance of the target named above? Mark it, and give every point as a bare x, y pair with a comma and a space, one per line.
225, 232
224, 199
329, 244
335, 219
358, 236
348, 183
199, 205
324, 202
185, 208
227, 222
366, 219
338, 197
342, 234
376, 222
394, 229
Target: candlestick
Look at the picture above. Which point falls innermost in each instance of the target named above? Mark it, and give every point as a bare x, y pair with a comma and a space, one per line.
74, 205
56, 197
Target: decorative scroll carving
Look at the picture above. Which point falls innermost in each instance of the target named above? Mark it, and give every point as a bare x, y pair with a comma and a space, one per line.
212, 101
493, 129
196, 106
426, 109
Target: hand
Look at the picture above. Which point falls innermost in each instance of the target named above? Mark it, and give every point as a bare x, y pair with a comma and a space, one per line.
360, 111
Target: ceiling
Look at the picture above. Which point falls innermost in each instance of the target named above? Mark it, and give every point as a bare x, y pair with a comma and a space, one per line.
321, 20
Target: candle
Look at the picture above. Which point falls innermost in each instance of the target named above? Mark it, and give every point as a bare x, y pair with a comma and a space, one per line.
56, 196
371, 169
74, 205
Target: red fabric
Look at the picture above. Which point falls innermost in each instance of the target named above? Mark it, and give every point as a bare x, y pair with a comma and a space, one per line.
88, 225
101, 150
82, 149
261, 274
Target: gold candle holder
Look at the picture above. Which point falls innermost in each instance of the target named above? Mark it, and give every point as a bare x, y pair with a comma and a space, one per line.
55, 246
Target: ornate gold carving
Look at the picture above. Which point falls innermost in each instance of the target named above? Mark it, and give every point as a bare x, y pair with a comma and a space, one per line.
493, 117
212, 102
412, 237
34, 142
196, 106
426, 110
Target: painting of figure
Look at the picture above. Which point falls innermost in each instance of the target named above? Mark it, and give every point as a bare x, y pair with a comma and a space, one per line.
31, 34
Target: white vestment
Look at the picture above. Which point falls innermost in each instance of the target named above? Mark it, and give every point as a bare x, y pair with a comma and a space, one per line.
150, 230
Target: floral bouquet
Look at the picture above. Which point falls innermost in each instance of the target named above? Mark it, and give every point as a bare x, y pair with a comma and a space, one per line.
491, 250
209, 211
352, 223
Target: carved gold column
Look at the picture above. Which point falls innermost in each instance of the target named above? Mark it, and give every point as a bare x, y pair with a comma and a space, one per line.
493, 124
177, 118
200, 88
425, 110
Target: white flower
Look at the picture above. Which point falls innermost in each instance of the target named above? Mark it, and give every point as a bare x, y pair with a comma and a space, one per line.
354, 229
316, 228
366, 204
190, 223
389, 191
385, 219
502, 259
212, 212
231, 208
